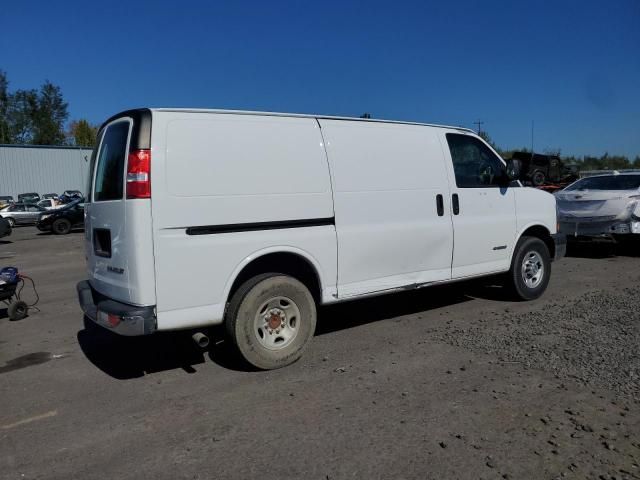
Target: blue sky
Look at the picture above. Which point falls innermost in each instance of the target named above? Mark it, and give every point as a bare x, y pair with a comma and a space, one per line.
571, 66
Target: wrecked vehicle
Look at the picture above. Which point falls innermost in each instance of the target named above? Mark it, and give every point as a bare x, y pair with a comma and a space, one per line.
602, 206
539, 170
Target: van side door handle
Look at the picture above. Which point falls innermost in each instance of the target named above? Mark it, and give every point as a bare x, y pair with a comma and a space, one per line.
440, 205
455, 202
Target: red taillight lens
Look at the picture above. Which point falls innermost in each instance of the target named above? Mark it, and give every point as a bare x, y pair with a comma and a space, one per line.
139, 174
113, 320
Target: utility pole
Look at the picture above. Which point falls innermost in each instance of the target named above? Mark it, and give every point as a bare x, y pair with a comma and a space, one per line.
531, 138
479, 123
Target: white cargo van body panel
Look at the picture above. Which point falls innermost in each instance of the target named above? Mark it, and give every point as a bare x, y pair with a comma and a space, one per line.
127, 274
238, 172
535, 207
386, 178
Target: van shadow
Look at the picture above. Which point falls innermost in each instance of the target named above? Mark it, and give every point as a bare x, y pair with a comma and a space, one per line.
48, 233
132, 357
342, 316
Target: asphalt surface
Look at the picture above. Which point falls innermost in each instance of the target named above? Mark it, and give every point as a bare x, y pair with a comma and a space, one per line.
447, 382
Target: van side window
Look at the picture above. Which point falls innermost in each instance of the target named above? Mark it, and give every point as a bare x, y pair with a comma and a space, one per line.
109, 183
475, 165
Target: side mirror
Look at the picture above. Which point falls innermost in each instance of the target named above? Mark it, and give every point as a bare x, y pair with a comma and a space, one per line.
514, 169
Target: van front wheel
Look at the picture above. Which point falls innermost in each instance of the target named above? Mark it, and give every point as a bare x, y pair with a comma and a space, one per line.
271, 319
530, 269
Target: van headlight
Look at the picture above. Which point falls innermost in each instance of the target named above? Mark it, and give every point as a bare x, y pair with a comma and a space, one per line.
43, 217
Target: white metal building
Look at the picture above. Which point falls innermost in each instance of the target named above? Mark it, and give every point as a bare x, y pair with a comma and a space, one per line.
42, 169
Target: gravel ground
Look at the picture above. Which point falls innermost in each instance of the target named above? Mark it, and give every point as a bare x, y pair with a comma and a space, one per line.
593, 338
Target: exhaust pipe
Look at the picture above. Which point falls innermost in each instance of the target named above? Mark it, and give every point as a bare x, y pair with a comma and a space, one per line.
201, 339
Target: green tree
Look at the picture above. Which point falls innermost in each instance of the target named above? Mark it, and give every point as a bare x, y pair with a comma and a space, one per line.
21, 111
50, 115
5, 136
82, 133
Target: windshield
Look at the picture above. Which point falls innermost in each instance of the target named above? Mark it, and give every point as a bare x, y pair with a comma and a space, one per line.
610, 182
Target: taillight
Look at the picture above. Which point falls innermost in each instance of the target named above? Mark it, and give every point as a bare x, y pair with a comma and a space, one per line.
139, 174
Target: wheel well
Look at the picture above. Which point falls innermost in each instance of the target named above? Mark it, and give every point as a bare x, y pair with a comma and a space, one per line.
282, 262
543, 234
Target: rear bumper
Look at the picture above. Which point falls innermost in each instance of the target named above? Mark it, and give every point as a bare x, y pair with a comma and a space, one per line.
560, 242
120, 318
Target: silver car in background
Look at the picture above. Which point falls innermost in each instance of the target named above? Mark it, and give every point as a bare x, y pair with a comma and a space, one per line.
600, 206
22, 213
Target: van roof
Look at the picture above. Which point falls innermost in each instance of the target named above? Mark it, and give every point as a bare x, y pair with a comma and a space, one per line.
301, 115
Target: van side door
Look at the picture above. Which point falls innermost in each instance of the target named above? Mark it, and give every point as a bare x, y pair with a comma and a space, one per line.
482, 206
391, 205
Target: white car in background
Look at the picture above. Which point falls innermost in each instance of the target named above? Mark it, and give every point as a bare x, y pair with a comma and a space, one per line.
600, 206
49, 203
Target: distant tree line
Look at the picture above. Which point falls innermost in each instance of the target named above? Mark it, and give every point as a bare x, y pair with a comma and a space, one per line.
586, 162
38, 117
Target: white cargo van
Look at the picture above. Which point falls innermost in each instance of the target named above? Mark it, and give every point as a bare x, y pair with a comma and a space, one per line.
201, 217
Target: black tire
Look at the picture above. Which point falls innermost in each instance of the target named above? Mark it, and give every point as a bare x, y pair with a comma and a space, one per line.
12, 222
538, 178
62, 226
17, 310
248, 308
522, 280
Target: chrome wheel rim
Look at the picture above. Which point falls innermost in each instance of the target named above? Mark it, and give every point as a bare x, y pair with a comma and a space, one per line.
532, 269
277, 323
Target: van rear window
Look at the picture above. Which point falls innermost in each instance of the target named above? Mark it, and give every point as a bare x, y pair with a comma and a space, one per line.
109, 183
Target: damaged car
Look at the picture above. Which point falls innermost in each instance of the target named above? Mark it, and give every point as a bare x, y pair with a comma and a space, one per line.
602, 206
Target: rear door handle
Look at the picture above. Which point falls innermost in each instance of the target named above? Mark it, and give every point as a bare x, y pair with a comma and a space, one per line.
455, 202
440, 205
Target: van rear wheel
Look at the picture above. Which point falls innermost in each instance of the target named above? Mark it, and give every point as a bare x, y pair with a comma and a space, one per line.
530, 269
271, 319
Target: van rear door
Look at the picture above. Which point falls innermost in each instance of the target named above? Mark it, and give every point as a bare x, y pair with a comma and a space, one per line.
118, 228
